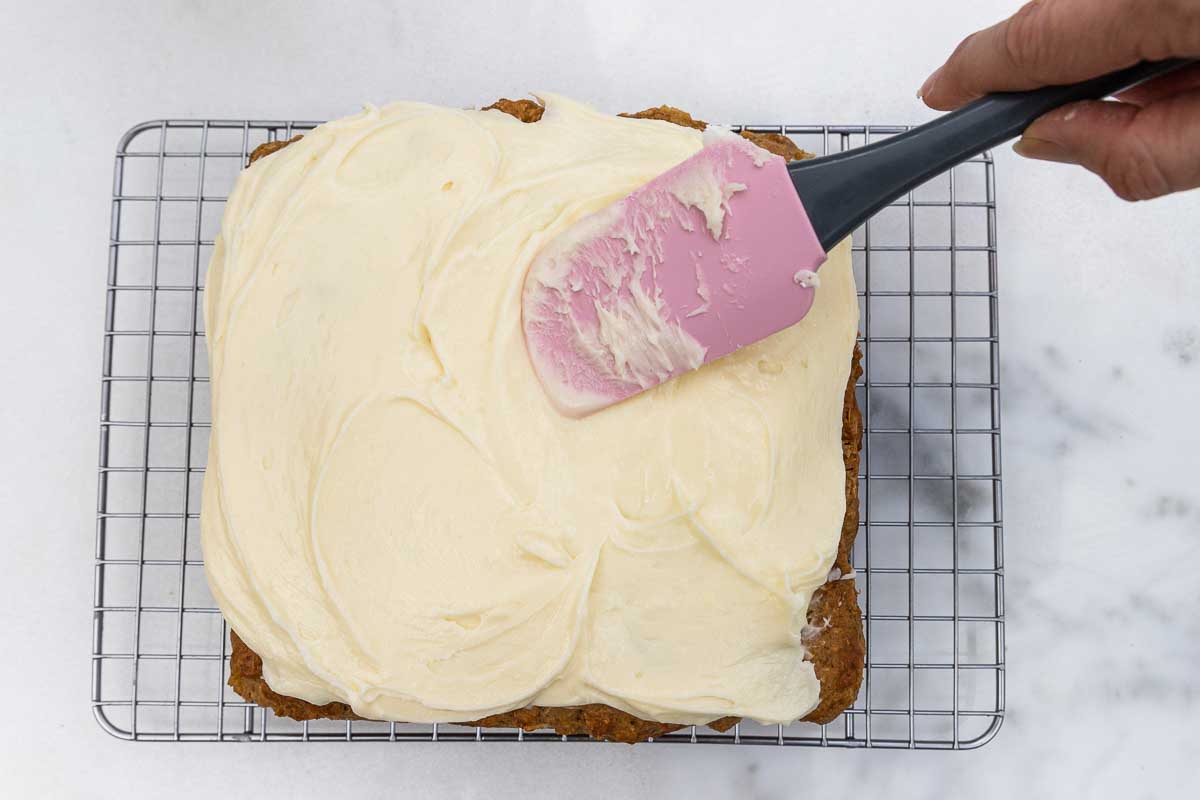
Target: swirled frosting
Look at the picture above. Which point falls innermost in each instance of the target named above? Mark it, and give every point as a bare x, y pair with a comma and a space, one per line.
395, 517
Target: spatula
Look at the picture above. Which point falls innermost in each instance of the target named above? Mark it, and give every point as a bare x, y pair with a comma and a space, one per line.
724, 249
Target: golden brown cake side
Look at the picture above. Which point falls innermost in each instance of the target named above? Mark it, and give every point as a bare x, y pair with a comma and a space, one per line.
837, 651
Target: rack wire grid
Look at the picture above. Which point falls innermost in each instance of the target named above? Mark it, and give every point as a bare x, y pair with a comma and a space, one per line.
929, 554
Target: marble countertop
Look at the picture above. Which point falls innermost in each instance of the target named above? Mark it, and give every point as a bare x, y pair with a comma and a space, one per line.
1100, 354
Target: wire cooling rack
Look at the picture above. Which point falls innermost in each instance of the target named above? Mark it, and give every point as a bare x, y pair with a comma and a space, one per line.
929, 554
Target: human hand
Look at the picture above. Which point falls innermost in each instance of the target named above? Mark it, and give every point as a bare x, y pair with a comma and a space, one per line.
1146, 142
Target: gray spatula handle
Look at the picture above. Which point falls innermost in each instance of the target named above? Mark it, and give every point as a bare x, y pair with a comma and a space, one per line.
842, 191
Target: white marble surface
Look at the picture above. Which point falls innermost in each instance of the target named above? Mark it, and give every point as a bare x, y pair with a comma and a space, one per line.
1101, 371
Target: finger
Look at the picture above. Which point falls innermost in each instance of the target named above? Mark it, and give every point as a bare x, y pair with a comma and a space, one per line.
1063, 41
1162, 87
1141, 152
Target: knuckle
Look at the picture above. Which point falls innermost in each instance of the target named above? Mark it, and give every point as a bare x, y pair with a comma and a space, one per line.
961, 48
1024, 40
1133, 171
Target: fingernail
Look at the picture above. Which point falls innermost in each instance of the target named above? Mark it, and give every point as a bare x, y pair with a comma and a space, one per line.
1043, 150
927, 86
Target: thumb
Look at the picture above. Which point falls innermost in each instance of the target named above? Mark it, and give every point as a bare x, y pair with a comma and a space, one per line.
1141, 152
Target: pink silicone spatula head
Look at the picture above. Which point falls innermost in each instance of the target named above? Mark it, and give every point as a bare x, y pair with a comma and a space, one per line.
719, 252
708, 257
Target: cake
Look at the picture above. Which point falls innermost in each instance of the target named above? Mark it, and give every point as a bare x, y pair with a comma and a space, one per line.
397, 525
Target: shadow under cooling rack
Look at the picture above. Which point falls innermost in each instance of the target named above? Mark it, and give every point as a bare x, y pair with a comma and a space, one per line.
929, 555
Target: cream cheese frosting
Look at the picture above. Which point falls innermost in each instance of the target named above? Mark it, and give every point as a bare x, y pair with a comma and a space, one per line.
394, 515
